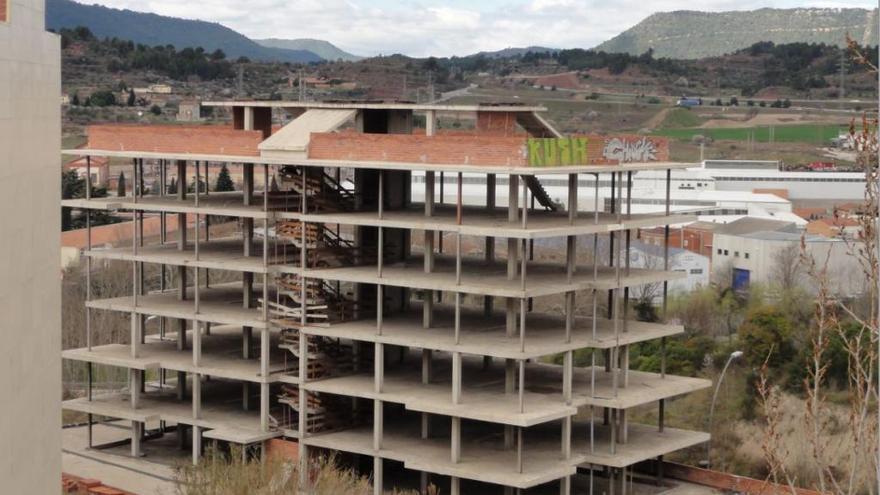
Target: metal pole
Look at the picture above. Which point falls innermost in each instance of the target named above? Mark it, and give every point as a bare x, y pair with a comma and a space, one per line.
733, 355
877, 316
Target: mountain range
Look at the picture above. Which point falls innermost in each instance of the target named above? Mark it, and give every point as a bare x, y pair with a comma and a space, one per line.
680, 34
690, 34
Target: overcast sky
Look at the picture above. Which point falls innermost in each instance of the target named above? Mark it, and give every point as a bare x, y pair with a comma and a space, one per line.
453, 27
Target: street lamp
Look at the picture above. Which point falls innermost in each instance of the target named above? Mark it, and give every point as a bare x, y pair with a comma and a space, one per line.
733, 355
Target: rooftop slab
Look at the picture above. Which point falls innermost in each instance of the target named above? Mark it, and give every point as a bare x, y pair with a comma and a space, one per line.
365, 105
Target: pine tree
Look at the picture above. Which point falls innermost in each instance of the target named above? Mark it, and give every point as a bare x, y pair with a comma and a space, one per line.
224, 181
120, 185
131, 98
74, 100
172, 188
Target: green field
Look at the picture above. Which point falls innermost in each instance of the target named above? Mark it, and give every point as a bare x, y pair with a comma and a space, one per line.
816, 134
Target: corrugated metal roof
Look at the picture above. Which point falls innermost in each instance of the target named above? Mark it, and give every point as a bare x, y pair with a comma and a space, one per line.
751, 225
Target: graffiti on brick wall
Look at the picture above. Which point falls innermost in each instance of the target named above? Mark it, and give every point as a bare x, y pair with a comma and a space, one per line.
624, 150
554, 152
595, 150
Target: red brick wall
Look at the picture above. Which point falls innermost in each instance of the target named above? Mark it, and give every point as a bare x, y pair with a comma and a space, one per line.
4, 10
443, 149
206, 139
497, 124
285, 449
451, 148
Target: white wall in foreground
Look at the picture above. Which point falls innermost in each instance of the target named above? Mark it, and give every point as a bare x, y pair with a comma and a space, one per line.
30, 297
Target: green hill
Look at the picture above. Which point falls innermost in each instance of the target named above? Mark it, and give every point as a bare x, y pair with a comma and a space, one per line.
691, 34
153, 30
321, 48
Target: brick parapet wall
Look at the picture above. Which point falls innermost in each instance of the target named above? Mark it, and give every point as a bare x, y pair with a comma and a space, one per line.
407, 148
460, 148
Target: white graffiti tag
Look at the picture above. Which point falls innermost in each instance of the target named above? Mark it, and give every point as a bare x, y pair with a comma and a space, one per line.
627, 151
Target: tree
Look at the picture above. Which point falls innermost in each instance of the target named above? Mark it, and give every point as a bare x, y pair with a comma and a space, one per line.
103, 98
218, 54
156, 110
766, 337
224, 181
787, 269
172, 187
131, 98
120, 185
734, 101
74, 186
74, 100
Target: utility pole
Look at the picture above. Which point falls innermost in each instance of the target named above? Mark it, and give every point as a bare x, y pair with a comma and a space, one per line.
302, 88
240, 81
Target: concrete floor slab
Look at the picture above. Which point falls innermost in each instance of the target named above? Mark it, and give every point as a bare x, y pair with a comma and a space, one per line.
221, 356
218, 304
487, 335
480, 221
229, 204
482, 278
218, 411
216, 254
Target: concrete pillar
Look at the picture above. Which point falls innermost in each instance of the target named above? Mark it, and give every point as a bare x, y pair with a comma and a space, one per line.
136, 434
454, 486
264, 406
430, 122
378, 478
197, 396
196, 444
248, 118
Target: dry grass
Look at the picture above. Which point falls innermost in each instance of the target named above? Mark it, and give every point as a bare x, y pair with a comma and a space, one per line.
222, 474
746, 438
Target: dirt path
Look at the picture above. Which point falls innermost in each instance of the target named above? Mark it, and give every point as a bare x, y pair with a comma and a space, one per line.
655, 121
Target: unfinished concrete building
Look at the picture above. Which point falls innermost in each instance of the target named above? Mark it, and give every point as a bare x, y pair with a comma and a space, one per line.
320, 304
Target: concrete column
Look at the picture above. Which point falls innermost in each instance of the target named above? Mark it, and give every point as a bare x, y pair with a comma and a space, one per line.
196, 444
264, 407
197, 396
511, 306
430, 122
378, 478
134, 386
455, 447
248, 118
136, 434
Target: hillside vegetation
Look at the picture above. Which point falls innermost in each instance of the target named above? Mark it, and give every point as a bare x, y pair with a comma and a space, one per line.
691, 34
152, 30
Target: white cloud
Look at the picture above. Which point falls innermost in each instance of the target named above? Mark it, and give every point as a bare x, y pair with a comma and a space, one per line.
425, 27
